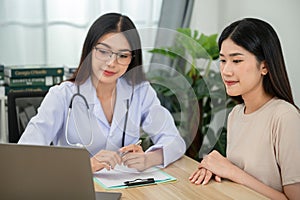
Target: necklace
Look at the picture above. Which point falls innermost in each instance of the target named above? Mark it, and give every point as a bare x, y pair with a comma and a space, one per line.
108, 105
112, 104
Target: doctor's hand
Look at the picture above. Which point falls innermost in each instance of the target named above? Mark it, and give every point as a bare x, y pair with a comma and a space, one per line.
131, 148
133, 156
105, 159
140, 160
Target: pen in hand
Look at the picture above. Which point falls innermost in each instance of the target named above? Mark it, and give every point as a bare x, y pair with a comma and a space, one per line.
137, 143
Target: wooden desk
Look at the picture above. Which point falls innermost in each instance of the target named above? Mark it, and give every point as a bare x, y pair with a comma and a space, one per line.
183, 189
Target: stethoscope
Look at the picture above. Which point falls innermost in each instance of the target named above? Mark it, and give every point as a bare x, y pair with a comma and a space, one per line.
77, 94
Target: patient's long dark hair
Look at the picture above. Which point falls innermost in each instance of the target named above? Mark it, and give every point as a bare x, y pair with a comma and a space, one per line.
259, 38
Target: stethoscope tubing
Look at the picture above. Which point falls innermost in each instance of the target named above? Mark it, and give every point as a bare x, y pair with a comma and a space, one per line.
68, 119
88, 109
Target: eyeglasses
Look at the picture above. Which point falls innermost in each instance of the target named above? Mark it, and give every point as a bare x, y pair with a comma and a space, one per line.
123, 57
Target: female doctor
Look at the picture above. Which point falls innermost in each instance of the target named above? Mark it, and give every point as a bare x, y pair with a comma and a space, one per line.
106, 103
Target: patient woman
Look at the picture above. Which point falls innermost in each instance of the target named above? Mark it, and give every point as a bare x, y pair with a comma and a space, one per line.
263, 149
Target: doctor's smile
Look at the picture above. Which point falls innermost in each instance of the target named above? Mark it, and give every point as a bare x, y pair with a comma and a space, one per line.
108, 73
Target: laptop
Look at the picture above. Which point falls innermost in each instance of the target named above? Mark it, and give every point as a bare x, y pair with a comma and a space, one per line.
47, 172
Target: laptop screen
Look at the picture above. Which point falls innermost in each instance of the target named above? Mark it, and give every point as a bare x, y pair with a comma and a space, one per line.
45, 172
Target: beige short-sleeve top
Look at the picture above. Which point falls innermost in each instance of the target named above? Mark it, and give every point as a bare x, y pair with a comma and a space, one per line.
266, 143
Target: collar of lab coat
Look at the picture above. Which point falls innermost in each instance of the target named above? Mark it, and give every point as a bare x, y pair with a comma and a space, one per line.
123, 92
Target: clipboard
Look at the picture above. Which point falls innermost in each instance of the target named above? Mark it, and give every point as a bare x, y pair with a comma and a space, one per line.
123, 177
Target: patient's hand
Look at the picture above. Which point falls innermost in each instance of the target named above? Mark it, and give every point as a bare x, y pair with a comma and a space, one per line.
202, 176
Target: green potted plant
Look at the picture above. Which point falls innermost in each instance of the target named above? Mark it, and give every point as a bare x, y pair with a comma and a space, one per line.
192, 56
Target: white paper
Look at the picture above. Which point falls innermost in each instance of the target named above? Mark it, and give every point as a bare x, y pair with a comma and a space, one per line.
121, 173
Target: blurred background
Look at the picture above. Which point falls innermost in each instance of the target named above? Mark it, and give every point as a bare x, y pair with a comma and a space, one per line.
53, 31
45, 32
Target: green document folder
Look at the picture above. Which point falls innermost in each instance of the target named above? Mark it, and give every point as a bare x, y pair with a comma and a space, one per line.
114, 179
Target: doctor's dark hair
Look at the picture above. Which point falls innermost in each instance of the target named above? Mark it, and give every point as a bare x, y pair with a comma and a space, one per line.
259, 38
111, 23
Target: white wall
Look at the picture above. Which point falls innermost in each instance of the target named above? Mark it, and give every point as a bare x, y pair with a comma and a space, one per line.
211, 16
